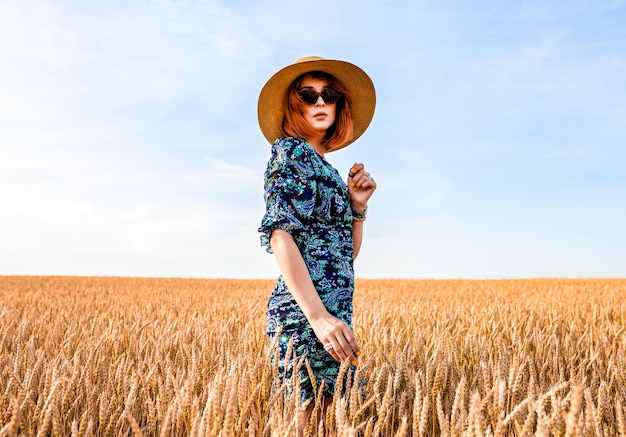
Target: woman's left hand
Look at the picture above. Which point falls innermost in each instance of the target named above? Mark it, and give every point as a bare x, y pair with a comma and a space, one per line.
361, 186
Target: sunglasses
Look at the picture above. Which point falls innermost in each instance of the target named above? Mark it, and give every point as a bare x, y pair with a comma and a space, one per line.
329, 95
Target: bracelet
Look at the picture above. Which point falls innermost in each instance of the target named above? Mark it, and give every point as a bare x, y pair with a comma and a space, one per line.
359, 216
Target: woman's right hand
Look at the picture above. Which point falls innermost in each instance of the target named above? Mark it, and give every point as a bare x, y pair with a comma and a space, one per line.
332, 331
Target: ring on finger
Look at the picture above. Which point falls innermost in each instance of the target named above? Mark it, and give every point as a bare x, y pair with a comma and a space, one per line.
328, 346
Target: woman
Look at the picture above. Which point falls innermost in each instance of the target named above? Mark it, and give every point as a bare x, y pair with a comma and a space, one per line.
314, 220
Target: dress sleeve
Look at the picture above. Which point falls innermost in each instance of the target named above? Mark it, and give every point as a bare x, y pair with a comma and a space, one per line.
290, 189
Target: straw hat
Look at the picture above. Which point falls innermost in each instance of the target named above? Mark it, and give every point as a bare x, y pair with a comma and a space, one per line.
271, 108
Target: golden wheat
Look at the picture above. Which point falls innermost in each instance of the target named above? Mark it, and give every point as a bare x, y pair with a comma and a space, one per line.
83, 356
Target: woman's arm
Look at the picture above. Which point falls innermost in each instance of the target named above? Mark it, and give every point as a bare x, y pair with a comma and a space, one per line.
327, 328
357, 236
360, 187
296, 275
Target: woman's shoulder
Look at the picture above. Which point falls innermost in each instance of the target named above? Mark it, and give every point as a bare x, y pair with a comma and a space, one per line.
293, 148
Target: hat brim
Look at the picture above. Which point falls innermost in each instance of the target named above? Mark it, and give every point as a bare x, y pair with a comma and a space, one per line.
271, 106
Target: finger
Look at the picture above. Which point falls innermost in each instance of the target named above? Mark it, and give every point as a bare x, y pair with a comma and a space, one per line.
340, 346
369, 185
358, 172
359, 179
333, 354
356, 167
364, 181
350, 346
355, 351
343, 350
330, 348
336, 355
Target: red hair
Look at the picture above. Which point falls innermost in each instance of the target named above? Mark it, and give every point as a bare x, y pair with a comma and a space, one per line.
295, 125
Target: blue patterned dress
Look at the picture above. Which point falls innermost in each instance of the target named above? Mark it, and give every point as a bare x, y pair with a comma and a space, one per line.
307, 197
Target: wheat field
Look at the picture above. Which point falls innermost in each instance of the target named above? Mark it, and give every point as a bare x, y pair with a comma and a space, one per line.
89, 356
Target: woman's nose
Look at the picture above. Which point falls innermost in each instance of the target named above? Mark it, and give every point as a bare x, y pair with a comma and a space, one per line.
317, 102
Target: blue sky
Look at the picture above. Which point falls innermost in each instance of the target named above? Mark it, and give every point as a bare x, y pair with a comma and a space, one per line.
130, 146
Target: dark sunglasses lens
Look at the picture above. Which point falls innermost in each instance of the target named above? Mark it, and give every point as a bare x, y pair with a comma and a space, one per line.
309, 97
330, 96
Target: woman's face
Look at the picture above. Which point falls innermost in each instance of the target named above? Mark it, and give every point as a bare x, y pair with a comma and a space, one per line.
319, 115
